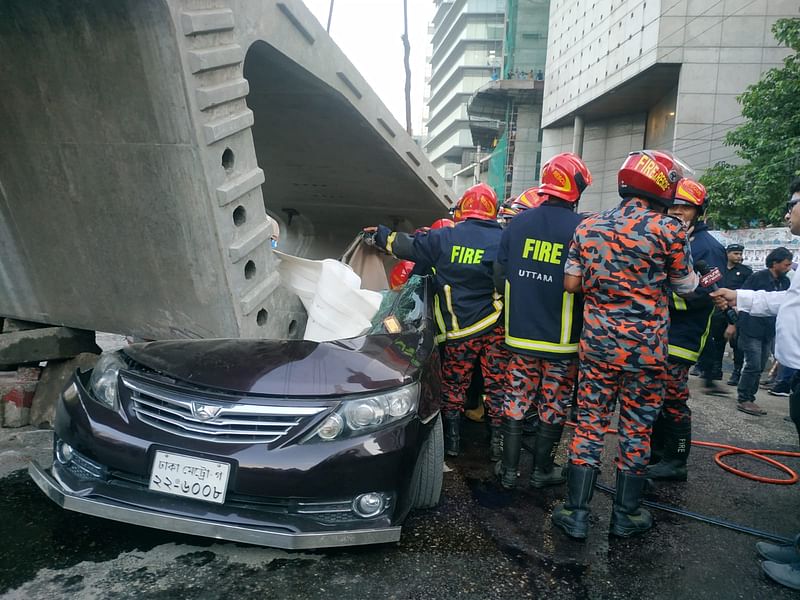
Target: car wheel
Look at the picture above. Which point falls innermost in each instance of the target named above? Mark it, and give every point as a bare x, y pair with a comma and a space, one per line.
426, 485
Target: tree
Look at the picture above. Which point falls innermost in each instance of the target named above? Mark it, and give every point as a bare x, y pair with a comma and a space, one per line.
768, 140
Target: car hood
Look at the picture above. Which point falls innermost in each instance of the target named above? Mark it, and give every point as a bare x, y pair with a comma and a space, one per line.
286, 367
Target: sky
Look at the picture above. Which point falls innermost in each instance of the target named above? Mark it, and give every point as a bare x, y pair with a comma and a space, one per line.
368, 32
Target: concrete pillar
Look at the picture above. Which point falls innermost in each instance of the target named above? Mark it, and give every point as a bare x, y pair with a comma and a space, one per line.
476, 173
577, 136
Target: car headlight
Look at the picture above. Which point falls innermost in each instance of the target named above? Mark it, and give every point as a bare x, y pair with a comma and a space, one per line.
358, 416
103, 382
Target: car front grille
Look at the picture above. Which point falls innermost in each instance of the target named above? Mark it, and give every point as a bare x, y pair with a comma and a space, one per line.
190, 414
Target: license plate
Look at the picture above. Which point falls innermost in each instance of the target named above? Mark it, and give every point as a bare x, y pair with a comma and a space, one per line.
189, 477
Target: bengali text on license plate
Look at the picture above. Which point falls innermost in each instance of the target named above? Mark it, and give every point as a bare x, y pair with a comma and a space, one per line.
189, 477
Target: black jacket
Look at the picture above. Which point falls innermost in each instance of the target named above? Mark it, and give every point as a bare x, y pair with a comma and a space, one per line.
690, 318
734, 278
541, 318
461, 258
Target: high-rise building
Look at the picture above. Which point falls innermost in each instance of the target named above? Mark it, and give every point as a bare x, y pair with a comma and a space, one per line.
505, 114
467, 46
623, 75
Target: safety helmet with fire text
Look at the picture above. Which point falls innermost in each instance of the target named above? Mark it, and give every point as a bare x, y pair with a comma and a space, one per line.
564, 176
478, 202
400, 274
652, 175
530, 198
690, 192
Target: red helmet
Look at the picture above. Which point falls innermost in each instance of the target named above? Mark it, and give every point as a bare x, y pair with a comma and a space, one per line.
478, 202
564, 176
507, 210
442, 223
400, 274
688, 191
650, 174
530, 198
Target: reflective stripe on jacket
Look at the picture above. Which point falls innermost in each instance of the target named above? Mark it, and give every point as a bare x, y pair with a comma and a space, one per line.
690, 318
541, 318
461, 257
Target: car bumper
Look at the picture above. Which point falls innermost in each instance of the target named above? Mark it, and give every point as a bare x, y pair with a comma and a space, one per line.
72, 500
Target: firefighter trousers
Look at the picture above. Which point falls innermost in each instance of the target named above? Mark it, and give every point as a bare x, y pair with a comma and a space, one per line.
640, 395
542, 382
460, 360
676, 393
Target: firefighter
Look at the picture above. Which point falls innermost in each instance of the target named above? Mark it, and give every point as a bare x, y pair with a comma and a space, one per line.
513, 206
690, 322
423, 269
506, 212
723, 333
400, 274
543, 322
466, 306
404, 269
623, 260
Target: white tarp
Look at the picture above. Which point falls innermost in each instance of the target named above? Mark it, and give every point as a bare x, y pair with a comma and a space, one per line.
331, 292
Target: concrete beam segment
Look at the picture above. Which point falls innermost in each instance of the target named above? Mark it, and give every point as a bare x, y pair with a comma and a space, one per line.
49, 343
146, 140
214, 58
12, 325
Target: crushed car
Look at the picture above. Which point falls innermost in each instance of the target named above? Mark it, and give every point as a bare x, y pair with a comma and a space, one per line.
292, 444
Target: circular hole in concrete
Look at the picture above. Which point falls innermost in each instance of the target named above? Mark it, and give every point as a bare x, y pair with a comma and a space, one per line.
292, 327
249, 269
227, 159
239, 216
261, 317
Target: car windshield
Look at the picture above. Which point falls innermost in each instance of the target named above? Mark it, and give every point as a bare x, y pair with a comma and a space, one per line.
402, 309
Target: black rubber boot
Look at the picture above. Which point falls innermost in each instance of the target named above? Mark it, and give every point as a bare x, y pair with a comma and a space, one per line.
628, 517
545, 472
677, 443
495, 442
657, 440
512, 444
530, 423
452, 433
573, 515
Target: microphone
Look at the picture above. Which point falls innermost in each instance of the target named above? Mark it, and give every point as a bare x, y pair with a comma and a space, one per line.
708, 279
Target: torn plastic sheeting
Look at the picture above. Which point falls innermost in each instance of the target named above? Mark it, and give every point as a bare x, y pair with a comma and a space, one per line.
330, 291
367, 262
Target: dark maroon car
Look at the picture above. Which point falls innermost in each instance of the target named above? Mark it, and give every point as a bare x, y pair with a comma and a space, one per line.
284, 443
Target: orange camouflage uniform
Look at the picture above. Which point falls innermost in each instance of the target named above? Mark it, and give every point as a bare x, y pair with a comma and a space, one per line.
627, 258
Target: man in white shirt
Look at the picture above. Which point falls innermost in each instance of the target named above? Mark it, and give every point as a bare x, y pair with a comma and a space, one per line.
782, 561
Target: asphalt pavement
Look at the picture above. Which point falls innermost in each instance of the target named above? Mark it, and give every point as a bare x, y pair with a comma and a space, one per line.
480, 542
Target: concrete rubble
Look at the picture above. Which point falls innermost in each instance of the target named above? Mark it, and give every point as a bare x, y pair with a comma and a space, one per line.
54, 378
17, 389
24, 346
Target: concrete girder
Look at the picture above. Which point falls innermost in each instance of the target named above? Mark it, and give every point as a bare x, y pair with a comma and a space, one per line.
144, 141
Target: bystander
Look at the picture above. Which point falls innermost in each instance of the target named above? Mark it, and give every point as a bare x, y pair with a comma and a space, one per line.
756, 333
782, 562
